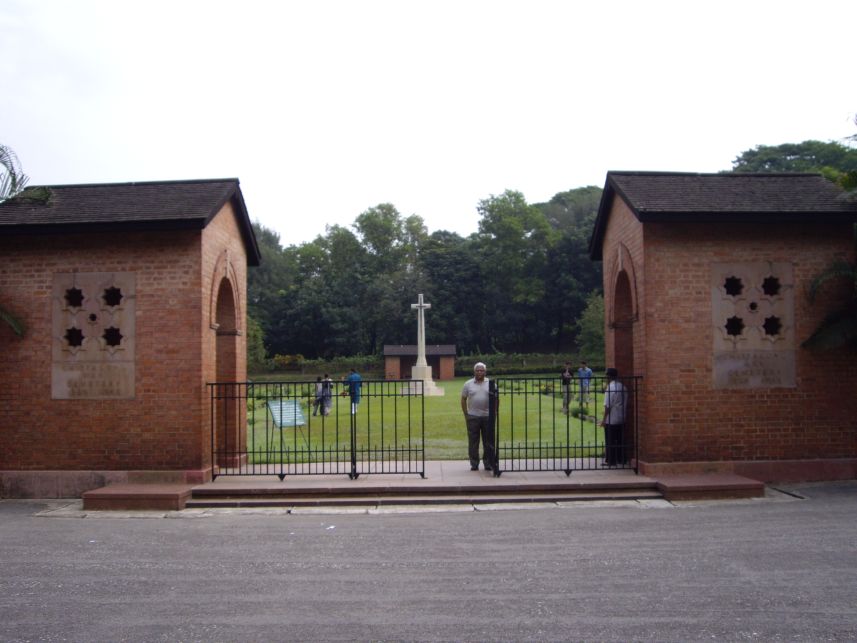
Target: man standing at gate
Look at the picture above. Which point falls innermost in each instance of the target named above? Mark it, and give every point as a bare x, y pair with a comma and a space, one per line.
475, 402
615, 406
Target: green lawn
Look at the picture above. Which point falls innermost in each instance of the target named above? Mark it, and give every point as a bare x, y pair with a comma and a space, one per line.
530, 418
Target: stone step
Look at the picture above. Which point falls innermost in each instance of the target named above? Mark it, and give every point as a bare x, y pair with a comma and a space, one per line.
130, 496
208, 501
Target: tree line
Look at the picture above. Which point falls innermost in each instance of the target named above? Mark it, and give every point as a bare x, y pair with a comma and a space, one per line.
521, 283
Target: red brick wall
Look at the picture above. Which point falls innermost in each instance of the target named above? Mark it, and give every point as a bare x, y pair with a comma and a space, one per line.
682, 417
165, 427
399, 367
223, 258
392, 367
447, 368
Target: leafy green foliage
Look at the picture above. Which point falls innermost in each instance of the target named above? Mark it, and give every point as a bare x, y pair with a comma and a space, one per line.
12, 177
12, 182
255, 346
518, 284
590, 339
809, 156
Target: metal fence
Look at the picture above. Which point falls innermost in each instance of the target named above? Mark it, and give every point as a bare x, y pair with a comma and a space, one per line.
316, 428
540, 425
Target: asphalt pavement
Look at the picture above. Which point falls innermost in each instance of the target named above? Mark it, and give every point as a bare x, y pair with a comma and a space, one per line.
779, 568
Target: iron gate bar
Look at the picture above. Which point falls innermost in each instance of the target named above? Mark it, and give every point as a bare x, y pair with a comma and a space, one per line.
541, 448
243, 442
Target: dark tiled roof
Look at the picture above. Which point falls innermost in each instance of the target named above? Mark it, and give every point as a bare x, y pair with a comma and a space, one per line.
737, 197
156, 206
411, 349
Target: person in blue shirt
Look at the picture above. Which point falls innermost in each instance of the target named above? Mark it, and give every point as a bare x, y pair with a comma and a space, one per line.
584, 374
355, 383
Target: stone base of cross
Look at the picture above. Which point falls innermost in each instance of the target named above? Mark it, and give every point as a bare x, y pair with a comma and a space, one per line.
427, 387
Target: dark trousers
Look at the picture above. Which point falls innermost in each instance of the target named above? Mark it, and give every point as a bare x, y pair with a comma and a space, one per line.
479, 427
614, 453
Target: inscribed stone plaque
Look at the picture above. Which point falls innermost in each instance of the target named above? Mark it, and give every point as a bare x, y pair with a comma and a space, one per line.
93, 335
752, 307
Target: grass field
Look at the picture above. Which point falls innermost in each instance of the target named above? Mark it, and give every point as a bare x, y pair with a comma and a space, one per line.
530, 415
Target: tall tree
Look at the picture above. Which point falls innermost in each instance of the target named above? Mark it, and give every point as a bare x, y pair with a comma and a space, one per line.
454, 277
573, 209
572, 275
514, 239
809, 156
255, 346
268, 282
590, 337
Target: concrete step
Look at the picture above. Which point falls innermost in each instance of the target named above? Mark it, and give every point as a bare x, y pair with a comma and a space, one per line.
163, 496
208, 501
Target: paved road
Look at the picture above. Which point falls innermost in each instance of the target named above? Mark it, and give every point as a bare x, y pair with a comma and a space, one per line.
779, 568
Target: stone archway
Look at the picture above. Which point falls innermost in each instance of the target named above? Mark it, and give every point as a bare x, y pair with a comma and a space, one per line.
622, 322
623, 325
621, 310
227, 333
230, 434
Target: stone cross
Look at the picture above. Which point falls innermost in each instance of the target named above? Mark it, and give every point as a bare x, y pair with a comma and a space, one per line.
421, 330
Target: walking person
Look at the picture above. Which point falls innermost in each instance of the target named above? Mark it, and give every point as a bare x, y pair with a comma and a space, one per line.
317, 404
355, 383
326, 394
566, 378
475, 401
615, 407
584, 374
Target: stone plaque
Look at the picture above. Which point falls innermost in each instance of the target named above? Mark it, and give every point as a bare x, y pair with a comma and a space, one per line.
93, 381
754, 369
93, 335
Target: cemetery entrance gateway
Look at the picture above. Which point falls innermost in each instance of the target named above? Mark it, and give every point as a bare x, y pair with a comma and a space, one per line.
534, 433
285, 428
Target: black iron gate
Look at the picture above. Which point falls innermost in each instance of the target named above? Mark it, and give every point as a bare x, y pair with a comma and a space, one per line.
539, 425
317, 428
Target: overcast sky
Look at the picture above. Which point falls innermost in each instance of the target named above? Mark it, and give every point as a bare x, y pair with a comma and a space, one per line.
324, 109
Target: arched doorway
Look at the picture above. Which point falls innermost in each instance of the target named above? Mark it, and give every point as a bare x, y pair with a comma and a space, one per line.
623, 325
230, 434
623, 355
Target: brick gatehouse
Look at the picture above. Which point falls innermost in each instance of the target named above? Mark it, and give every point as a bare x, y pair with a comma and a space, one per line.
133, 296
705, 282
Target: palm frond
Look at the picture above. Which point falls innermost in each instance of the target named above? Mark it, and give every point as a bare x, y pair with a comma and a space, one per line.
13, 179
837, 269
837, 331
14, 323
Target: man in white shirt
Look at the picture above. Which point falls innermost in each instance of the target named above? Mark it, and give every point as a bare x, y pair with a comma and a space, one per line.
475, 402
615, 407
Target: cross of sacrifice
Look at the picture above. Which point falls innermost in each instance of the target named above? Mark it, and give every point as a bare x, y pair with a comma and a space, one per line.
421, 330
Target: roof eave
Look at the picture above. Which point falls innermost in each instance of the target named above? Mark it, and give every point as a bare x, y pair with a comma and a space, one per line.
647, 216
254, 256
103, 226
